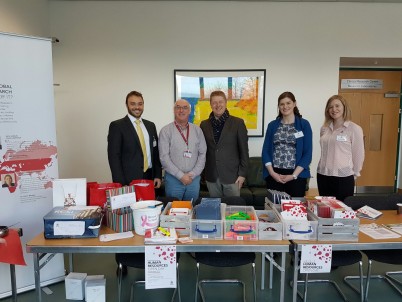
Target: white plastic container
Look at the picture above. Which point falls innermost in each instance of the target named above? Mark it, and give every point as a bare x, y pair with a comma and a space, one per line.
146, 215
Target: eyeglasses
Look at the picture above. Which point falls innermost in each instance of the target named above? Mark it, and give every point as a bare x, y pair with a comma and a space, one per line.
178, 108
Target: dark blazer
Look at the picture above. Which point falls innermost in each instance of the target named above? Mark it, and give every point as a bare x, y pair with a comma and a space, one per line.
227, 159
7, 186
125, 156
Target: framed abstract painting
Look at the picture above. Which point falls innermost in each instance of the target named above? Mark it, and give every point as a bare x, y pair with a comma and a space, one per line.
244, 89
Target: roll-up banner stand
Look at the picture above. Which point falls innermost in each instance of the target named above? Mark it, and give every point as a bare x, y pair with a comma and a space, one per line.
28, 149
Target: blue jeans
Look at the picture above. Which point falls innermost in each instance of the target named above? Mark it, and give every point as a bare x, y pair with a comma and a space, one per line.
175, 188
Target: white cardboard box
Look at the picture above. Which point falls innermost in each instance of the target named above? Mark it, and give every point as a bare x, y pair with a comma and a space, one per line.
75, 283
95, 289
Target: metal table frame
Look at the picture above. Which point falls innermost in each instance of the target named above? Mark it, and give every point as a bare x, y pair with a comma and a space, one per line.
364, 243
39, 247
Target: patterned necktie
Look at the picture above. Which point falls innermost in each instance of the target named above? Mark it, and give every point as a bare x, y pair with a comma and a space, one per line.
142, 142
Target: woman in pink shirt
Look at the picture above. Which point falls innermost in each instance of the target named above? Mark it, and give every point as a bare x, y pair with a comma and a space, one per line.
342, 151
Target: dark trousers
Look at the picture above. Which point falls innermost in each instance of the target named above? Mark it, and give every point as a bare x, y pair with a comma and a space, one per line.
340, 187
295, 188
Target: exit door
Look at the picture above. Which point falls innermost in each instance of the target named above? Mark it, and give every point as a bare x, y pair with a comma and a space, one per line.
377, 112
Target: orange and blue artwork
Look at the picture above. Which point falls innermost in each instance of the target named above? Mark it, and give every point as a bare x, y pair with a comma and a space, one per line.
245, 95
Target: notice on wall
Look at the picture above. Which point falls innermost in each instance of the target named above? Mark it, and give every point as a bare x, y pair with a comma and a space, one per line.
361, 84
316, 258
160, 266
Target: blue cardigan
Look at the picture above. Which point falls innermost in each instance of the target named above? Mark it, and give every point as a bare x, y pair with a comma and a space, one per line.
304, 145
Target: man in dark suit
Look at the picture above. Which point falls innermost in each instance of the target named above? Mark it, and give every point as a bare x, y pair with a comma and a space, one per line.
227, 149
133, 147
130, 159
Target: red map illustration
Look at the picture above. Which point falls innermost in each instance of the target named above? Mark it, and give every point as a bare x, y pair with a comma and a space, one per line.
32, 157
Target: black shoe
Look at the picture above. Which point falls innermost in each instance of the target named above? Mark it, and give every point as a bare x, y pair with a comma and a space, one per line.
123, 271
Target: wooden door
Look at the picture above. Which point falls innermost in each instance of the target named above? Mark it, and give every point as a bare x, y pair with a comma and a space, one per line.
378, 115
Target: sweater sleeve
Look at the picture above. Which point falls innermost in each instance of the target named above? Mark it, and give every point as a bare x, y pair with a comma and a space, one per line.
357, 150
267, 147
307, 151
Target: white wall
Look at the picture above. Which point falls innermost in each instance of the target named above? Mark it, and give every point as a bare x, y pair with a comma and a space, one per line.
25, 17
108, 48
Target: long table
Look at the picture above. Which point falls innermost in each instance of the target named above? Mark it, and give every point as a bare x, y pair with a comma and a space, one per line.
39, 246
364, 242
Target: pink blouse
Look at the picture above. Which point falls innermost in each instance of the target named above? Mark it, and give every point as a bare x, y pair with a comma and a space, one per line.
342, 150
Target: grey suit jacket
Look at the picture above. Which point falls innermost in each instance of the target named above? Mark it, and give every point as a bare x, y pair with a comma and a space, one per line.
125, 156
227, 159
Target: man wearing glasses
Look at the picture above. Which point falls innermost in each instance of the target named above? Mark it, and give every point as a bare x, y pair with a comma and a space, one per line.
182, 151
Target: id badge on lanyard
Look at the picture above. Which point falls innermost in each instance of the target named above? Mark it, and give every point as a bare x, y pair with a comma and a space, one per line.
186, 153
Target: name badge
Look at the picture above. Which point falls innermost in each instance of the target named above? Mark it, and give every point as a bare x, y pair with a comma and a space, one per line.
154, 143
299, 134
342, 138
187, 154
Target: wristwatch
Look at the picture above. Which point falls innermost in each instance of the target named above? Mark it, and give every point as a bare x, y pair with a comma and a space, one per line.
294, 176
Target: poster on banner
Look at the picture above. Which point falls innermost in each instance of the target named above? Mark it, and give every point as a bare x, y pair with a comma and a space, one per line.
160, 266
316, 258
28, 149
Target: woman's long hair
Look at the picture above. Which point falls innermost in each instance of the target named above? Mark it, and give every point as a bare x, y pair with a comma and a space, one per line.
347, 113
288, 94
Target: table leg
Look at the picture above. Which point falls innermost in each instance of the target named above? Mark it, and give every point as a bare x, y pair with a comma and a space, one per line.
71, 263
282, 292
262, 271
295, 275
37, 277
271, 270
13, 282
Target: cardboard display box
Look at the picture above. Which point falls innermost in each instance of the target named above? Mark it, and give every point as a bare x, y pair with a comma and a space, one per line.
75, 283
95, 288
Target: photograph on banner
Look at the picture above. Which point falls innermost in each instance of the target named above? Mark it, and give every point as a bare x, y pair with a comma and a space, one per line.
160, 266
316, 258
8, 180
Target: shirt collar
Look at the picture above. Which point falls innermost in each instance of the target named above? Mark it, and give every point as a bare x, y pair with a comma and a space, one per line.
133, 119
345, 124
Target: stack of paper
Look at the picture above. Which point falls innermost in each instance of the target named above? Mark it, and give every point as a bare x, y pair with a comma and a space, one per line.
377, 232
158, 236
368, 212
396, 227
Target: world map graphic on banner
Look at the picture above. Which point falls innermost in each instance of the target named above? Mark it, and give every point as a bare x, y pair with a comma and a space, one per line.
31, 158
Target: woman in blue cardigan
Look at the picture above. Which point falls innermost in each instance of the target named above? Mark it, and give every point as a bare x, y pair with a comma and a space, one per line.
287, 149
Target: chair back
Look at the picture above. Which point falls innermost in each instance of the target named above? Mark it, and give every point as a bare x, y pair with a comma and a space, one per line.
234, 201
376, 202
254, 173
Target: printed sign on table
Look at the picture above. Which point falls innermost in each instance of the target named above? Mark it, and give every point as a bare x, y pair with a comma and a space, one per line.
316, 258
160, 266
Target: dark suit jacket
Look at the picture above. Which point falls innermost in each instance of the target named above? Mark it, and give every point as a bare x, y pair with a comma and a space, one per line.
227, 159
125, 156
